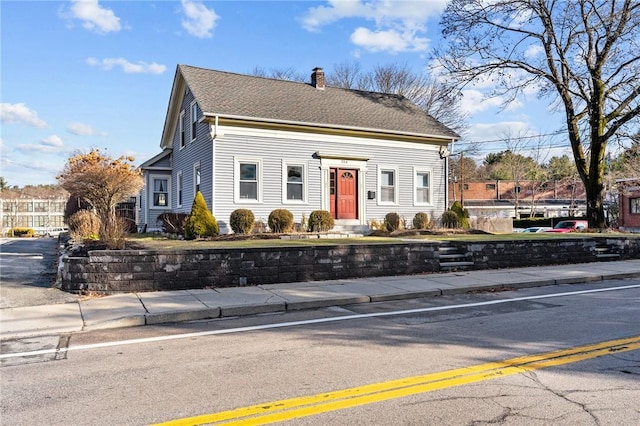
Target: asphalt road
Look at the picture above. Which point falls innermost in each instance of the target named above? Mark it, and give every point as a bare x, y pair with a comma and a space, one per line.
244, 366
28, 268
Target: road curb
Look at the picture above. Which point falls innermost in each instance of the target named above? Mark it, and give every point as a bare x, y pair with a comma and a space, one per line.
130, 310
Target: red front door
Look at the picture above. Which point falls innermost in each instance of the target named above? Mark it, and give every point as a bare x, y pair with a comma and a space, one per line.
343, 193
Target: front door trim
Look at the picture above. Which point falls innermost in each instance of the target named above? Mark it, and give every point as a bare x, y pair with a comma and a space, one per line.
359, 165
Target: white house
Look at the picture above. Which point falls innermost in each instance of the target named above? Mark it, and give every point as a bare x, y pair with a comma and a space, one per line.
262, 144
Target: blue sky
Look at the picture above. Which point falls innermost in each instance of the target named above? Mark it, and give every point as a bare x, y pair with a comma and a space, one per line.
77, 75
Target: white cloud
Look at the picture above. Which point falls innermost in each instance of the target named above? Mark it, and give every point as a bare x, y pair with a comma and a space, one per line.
52, 141
475, 101
80, 129
20, 113
50, 145
21, 169
533, 51
128, 67
396, 24
317, 17
199, 21
29, 148
390, 41
95, 17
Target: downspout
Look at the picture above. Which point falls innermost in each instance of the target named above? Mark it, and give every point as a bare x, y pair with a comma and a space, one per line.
214, 135
146, 199
446, 183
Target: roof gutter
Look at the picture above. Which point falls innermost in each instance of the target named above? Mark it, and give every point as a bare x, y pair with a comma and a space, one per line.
216, 117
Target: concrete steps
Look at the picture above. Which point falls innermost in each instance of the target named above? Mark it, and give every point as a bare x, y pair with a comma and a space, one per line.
451, 259
603, 253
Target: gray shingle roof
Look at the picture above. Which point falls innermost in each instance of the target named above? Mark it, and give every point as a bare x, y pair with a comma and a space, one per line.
230, 94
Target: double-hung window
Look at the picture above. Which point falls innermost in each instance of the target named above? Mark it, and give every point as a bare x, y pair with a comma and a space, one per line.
194, 121
160, 192
179, 187
248, 180
196, 178
294, 183
634, 205
388, 187
181, 129
422, 186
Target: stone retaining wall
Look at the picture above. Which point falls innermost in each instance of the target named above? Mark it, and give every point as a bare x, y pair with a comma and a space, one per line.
119, 271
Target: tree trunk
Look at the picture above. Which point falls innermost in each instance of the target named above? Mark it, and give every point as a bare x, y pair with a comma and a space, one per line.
595, 205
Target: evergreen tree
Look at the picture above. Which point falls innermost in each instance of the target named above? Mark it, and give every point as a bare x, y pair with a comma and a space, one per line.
201, 223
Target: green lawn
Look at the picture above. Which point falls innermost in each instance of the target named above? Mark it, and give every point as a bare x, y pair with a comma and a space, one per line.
156, 242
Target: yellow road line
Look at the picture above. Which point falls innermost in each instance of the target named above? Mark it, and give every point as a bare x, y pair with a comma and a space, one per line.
309, 405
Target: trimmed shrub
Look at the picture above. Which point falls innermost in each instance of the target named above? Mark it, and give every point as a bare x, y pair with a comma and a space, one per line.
463, 214
450, 219
242, 221
22, 232
392, 222
84, 225
421, 221
173, 223
320, 221
280, 220
201, 223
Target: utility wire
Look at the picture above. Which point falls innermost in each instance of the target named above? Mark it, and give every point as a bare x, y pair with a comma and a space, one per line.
560, 132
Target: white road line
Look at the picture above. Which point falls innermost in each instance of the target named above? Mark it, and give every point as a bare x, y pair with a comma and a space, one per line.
31, 255
308, 322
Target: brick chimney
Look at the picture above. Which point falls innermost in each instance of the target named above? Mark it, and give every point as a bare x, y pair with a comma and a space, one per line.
317, 78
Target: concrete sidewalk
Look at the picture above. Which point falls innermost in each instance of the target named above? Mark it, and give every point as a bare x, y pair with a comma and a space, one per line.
135, 309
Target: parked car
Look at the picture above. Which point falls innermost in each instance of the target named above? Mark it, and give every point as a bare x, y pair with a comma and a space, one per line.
55, 232
569, 226
537, 229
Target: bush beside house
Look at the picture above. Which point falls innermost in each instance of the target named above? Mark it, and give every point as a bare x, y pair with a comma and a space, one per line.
201, 223
320, 221
242, 221
280, 220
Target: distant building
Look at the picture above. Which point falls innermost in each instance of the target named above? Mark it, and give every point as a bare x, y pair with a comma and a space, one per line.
629, 204
39, 214
501, 198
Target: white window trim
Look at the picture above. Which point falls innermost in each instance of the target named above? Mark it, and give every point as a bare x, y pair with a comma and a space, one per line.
179, 188
417, 170
181, 131
394, 169
236, 180
305, 179
194, 121
152, 178
196, 166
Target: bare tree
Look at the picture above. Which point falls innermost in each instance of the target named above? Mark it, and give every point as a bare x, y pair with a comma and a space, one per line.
627, 164
347, 75
103, 182
289, 74
527, 154
435, 98
462, 170
589, 64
